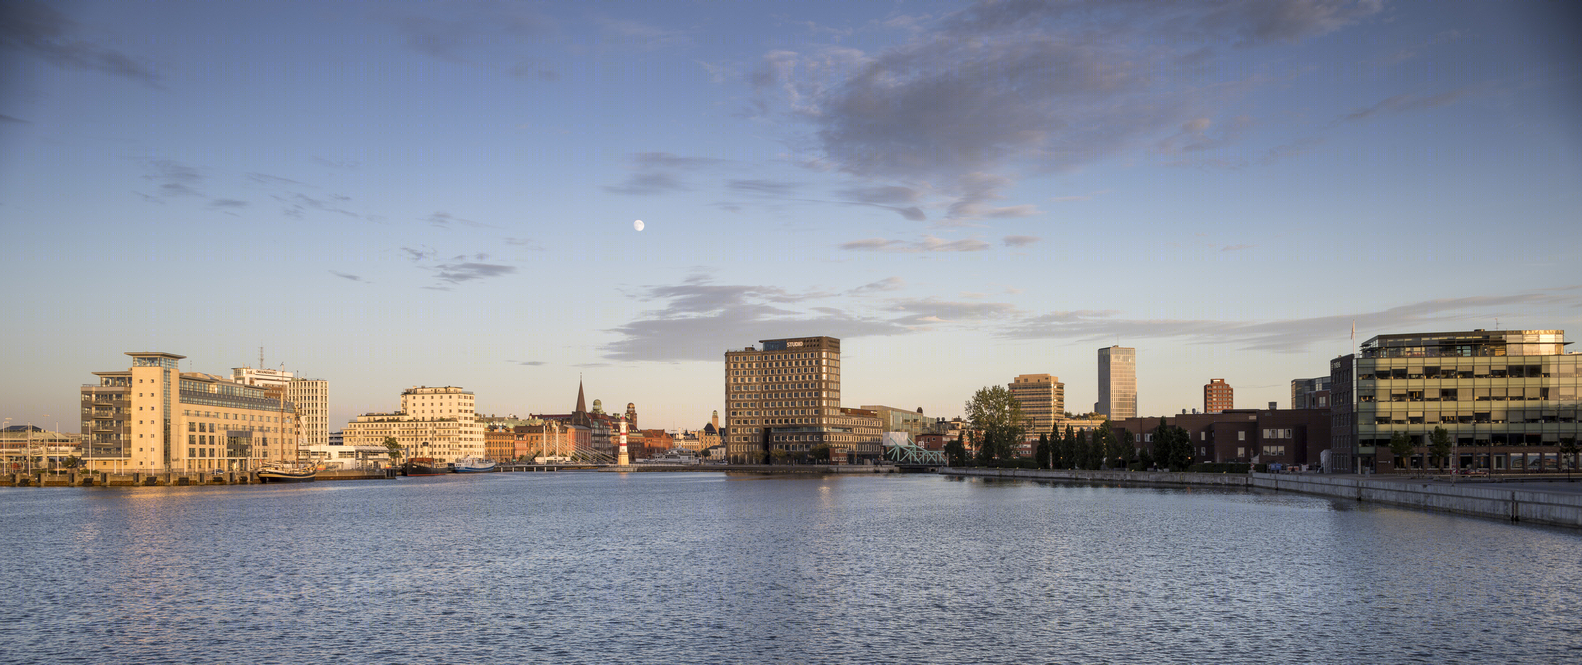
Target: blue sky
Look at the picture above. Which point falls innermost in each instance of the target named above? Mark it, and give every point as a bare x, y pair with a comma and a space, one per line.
393, 194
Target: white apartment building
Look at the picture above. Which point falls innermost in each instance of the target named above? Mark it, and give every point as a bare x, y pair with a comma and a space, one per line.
440, 423
311, 397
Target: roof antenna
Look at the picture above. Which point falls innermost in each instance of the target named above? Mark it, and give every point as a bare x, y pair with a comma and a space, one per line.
260, 357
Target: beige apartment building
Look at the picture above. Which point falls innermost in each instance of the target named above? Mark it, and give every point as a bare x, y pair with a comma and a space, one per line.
155, 418
785, 395
440, 423
1043, 400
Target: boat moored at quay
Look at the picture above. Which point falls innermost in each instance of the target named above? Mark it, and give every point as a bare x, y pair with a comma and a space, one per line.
473, 465
424, 466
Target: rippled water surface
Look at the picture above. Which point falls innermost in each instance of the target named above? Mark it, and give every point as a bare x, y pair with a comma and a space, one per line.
684, 567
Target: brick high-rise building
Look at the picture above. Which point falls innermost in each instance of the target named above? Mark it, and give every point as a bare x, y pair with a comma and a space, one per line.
1117, 382
785, 395
1218, 396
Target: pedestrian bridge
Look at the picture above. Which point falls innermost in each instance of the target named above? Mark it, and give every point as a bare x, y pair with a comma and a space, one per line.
906, 453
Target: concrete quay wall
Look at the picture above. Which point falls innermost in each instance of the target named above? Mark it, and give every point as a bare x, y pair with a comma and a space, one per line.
798, 469
1481, 499
1130, 477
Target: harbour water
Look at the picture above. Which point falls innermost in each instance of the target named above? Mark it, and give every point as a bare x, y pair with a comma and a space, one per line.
704, 567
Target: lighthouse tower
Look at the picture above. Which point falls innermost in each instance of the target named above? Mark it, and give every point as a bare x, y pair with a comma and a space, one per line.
623, 460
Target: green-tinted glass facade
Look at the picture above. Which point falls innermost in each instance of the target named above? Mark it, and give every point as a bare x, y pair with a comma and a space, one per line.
1507, 398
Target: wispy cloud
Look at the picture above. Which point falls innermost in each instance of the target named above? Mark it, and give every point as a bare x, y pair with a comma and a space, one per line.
659, 173
1080, 197
763, 187
979, 97
266, 179
1235, 248
37, 29
471, 31
456, 273
529, 363
927, 244
699, 317
1406, 102
343, 164
886, 284
347, 276
525, 243
444, 220
636, 34
929, 311
417, 255
297, 204
1288, 335
1021, 241
173, 179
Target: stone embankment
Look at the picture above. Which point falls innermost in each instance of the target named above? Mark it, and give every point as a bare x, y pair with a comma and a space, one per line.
165, 479
1470, 498
795, 469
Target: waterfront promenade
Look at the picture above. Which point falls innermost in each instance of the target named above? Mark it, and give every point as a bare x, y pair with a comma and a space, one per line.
1547, 501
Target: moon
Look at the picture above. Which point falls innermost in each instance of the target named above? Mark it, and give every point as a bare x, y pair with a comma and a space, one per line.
638, 225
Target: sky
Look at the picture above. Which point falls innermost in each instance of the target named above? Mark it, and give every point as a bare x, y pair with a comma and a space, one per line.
393, 194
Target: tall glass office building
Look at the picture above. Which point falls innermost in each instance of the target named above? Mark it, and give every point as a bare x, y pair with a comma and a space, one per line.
1507, 398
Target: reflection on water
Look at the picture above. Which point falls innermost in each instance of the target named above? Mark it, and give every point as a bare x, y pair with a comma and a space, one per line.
586, 567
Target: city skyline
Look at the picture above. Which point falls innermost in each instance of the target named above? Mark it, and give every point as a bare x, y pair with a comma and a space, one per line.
420, 194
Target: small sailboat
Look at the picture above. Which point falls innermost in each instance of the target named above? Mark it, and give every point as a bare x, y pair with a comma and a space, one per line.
288, 472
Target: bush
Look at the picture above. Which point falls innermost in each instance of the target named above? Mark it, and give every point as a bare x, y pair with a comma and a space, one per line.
1261, 468
1135, 466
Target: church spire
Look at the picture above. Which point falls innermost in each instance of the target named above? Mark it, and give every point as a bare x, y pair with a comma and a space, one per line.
582, 405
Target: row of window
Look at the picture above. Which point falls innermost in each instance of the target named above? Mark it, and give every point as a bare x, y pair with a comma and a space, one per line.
1517, 394
1556, 370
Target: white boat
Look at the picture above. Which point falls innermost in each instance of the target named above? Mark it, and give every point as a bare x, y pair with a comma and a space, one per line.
472, 465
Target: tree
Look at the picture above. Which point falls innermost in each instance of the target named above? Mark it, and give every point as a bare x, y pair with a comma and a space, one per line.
820, 453
1041, 455
1068, 449
1162, 444
956, 453
1401, 446
1439, 445
1172, 447
71, 462
778, 456
394, 446
1569, 448
1101, 447
996, 412
1124, 448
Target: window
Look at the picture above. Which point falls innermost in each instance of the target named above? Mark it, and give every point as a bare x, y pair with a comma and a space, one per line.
1241, 435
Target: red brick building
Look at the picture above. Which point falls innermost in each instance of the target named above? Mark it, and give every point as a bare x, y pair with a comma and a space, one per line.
1218, 397
1290, 436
